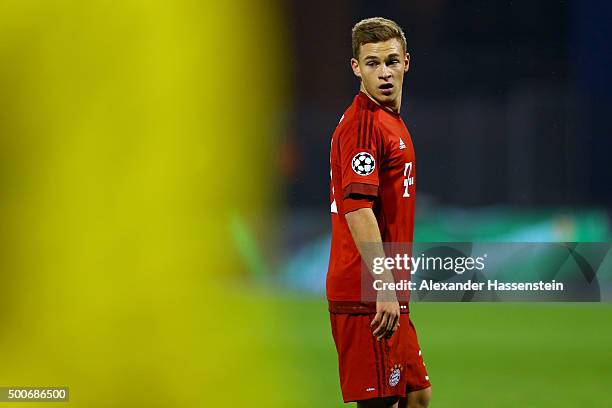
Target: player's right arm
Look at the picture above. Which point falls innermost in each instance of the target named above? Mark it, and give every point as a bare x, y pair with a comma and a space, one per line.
366, 235
359, 157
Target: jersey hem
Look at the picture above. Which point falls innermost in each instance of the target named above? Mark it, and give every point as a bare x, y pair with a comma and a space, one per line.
359, 307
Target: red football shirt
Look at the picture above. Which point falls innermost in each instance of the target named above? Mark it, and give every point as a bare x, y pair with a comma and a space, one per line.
372, 165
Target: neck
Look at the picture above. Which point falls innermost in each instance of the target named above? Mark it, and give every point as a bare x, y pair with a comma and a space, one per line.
394, 108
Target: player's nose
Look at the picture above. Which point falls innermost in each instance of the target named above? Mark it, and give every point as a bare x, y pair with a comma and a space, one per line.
385, 73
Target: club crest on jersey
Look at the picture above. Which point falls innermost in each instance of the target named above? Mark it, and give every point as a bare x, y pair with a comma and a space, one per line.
363, 164
396, 373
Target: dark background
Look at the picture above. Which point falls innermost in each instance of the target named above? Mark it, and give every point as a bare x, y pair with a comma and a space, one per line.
508, 102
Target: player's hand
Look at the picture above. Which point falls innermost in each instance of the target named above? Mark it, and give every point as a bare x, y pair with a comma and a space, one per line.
386, 321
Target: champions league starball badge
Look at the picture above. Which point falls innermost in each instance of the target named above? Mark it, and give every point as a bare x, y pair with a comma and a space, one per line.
363, 164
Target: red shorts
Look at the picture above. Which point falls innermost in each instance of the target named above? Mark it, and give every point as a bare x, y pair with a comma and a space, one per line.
374, 369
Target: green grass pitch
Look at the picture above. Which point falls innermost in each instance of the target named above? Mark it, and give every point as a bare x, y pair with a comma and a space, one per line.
477, 355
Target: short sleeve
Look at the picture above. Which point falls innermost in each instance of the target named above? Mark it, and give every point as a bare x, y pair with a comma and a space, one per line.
359, 160
352, 204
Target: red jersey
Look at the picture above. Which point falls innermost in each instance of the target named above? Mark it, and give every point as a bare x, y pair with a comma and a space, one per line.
372, 165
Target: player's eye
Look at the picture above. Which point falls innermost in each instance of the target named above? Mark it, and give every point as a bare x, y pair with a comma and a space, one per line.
371, 64
395, 61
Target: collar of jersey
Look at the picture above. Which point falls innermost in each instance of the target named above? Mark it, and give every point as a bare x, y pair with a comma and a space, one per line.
377, 106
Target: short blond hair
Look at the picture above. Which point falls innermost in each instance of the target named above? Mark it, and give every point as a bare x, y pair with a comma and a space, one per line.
376, 29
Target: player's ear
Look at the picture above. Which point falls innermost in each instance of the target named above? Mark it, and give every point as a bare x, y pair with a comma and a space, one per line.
355, 66
407, 62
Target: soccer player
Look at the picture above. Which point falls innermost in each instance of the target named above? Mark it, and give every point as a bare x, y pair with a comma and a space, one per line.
372, 201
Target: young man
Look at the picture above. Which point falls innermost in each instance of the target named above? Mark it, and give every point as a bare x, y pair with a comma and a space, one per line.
372, 201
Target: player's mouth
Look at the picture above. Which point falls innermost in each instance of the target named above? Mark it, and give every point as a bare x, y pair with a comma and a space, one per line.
386, 89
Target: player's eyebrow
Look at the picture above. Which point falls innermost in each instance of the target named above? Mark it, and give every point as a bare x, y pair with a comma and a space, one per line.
373, 57
392, 56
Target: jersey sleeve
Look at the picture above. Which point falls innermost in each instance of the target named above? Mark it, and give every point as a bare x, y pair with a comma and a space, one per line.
359, 161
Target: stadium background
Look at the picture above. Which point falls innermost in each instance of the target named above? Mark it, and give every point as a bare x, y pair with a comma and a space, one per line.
164, 221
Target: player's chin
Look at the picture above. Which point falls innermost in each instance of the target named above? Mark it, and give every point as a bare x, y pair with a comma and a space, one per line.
386, 97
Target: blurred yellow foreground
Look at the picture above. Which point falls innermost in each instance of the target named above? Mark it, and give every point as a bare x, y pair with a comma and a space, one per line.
130, 132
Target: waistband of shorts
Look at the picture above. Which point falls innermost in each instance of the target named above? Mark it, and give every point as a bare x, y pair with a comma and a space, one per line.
359, 307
